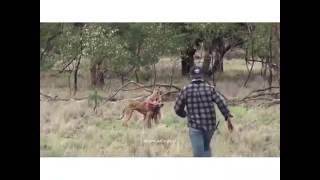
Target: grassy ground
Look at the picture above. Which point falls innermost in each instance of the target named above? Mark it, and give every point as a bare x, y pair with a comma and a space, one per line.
72, 128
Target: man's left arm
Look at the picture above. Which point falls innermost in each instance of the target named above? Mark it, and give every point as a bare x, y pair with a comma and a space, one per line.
223, 108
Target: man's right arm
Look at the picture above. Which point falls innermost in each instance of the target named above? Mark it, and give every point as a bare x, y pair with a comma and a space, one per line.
180, 104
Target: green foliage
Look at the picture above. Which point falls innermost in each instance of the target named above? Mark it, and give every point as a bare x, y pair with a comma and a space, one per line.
260, 40
48, 30
146, 42
210, 31
68, 44
45, 65
120, 47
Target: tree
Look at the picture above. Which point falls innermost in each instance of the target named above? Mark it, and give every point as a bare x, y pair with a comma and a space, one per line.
116, 48
69, 49
48, 35
122, 49
190, 38
146, 42
264, 47
219, 38
104, 49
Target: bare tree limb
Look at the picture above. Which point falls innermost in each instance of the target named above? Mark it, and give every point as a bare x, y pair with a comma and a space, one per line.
261, 94
248, 77
68, 64
252, 56
125, 85
170, 92
56, 98
166, 85
259, 90
75, 84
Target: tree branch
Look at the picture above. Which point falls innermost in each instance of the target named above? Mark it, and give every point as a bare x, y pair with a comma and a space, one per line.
48, 45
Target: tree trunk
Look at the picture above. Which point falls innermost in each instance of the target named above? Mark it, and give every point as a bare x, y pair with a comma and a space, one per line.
218, 62
99, 76
75, 85
136, 74
266, 64
122, 79
172, 73
93, 73
97, 73
138, 55
69, 83
262, 66
220, 51
270, 62
206, 64
154, 75
184, 65
187, 60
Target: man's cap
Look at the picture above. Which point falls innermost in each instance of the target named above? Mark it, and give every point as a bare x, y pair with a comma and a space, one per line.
196, 72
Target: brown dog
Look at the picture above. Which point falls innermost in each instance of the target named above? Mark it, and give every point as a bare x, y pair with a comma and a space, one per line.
149, 108
155, 98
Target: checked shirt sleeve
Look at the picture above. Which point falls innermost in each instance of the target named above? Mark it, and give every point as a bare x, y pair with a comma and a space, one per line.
180, 103
221, 104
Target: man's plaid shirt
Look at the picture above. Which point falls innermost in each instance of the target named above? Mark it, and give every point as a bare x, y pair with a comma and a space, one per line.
199, 99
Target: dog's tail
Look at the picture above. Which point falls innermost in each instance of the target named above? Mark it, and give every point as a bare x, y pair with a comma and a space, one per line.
123, 112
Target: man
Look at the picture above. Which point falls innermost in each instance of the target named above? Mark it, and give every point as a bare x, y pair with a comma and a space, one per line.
199, 97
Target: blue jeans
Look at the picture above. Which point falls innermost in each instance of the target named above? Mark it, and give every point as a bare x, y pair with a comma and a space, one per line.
200, 141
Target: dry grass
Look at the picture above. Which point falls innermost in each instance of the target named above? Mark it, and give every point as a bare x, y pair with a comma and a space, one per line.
73, 129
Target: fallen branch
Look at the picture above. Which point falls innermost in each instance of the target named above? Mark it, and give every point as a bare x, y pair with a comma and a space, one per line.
170, 92
274, 102
273, 65
145, 87
125, 85
140, 86
165, 85
261, 94
111, 97
47, 96
56, 98
133, 89
260, 90
272, 87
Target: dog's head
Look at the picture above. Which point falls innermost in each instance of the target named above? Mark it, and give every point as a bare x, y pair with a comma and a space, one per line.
158, 105
157, 91
156, 95
157, 108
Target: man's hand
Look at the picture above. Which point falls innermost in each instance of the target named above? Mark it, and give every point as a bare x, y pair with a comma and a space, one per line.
230, 126
182, 113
